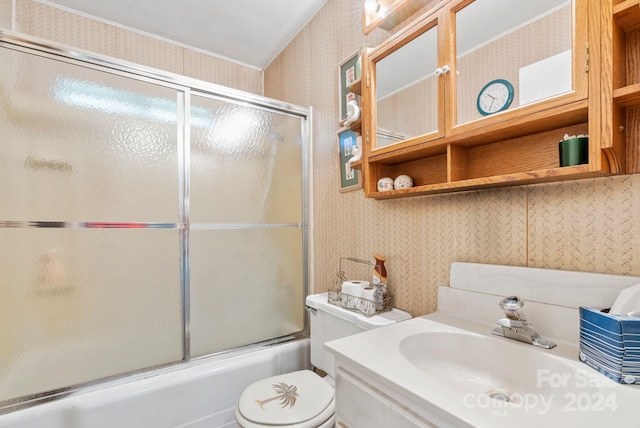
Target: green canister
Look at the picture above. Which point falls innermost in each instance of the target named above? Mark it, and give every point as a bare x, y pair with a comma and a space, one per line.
574, 151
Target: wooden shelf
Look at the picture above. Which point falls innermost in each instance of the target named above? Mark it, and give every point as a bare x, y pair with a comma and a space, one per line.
356, 165
355, 126
627, 96
521, 178
542, 121
356, 87
621, 151
627, 15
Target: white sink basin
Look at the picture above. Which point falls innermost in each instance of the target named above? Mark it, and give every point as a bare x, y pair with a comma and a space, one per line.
467, 377
491, 366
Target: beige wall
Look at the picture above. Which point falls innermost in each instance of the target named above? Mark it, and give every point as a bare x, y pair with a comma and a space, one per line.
590, 225
53, 24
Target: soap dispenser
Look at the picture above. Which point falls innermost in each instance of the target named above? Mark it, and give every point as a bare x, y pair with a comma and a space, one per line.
379, 282
379, 271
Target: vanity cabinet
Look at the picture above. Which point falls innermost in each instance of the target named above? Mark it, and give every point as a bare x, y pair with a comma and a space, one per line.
450, 142
359, 404
365, 399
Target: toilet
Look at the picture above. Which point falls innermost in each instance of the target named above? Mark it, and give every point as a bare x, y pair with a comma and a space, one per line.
303, 399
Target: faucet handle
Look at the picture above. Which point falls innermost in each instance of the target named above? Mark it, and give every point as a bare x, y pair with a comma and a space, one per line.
512, 323
512, 307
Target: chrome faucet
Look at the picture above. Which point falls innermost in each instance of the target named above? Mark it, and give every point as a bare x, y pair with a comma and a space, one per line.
515, 326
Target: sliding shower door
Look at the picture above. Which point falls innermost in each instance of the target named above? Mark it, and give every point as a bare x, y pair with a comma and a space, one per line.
89, 166
144, 220
246, 211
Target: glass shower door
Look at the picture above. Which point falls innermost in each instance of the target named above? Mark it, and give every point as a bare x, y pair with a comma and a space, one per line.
246, 225
143, 221
89, 224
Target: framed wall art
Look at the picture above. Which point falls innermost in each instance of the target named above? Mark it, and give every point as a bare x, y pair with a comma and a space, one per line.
347, 75
350, 179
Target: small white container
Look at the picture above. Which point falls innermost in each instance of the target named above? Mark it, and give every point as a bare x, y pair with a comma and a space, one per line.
385, 184
402, 182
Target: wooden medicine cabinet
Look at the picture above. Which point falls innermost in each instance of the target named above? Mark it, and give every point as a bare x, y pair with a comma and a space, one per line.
387, 14
427, 114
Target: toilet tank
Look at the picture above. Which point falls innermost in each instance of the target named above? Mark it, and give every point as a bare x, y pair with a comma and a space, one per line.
329, 322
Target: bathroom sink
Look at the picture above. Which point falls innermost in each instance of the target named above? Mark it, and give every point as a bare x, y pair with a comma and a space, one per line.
459, 374
449, 370
483, 365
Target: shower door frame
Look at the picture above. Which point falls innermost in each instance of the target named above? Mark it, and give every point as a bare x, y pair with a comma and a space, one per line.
185, 85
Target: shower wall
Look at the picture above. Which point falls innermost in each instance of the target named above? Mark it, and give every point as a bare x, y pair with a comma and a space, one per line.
142, 222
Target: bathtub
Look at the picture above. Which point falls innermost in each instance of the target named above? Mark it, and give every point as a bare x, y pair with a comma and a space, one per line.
199, 394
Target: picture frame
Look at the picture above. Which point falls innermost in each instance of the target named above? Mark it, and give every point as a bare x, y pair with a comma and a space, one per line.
346, 76
350, 179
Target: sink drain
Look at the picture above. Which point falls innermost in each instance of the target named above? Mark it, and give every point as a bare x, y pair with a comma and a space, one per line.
501, 396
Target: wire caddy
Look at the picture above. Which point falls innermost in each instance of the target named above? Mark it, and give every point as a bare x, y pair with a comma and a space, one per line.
365, 306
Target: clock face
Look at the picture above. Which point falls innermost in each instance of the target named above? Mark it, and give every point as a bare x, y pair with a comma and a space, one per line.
496, 96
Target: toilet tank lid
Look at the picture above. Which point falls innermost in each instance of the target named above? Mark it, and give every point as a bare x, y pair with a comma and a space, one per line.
321, 303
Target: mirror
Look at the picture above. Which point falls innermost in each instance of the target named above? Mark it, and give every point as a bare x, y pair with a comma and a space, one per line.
526, 49
407, 91
527, 44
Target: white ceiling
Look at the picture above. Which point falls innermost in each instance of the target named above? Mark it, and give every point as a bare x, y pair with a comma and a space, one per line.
250, 32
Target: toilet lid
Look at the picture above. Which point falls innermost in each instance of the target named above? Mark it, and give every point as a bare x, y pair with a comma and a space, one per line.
290, 398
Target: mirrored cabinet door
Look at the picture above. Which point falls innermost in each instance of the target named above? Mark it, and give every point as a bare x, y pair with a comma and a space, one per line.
511, 54
408, 89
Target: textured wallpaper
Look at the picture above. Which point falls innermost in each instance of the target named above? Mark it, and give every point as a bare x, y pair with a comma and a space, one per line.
590, 225
77, 31
5, 14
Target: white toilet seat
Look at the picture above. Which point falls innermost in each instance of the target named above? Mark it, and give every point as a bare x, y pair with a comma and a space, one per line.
312, 405
326, 419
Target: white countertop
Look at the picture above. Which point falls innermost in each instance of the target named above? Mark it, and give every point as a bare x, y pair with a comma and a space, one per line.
378, 354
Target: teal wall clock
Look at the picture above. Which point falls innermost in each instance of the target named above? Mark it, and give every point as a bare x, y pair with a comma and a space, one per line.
495, 96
